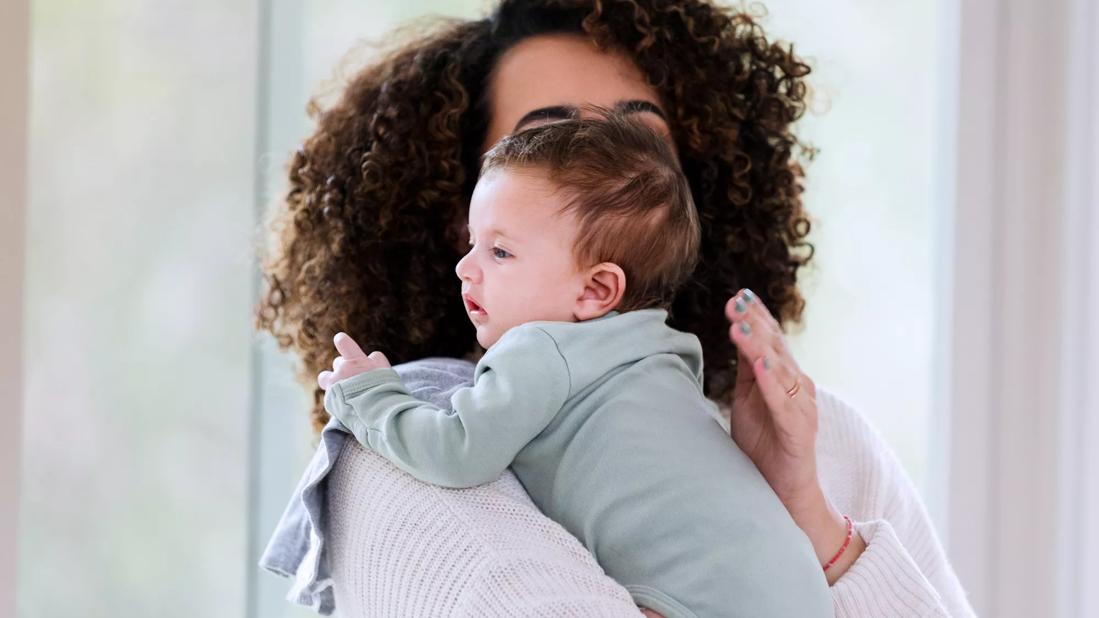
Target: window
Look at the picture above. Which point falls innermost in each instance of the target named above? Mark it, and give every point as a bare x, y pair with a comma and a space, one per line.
879, 195
138, 296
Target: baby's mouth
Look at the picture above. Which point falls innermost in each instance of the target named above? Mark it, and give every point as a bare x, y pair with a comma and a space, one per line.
472, 307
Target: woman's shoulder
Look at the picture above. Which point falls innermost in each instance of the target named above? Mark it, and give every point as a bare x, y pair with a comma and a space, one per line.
475, 551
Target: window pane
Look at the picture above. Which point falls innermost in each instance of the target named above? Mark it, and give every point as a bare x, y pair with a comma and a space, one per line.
139, 294
875, 193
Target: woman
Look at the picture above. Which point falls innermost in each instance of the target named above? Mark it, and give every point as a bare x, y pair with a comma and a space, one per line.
372, 226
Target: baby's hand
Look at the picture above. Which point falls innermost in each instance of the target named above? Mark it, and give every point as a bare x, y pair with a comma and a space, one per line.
351, 362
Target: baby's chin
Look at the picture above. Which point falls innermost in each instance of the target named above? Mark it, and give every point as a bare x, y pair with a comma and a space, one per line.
486, 338
489, 334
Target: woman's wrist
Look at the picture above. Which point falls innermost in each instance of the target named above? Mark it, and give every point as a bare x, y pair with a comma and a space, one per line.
827, 531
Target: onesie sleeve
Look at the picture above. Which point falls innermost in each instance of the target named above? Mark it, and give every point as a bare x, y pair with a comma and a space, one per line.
518, 387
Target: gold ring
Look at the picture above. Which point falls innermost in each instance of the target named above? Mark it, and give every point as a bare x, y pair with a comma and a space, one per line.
795, 389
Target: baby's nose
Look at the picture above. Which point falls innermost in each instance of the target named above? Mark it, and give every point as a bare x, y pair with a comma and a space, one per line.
464, 269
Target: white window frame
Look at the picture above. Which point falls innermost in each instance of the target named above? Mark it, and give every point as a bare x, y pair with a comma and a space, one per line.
14, 66
1077, 540
280, 436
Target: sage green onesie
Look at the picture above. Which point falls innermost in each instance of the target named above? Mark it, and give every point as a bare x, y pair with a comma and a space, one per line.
605, 424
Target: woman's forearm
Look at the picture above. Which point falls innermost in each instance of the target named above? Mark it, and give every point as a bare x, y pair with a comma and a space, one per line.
827, 531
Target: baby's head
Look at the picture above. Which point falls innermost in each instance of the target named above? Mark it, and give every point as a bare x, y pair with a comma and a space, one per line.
573, 219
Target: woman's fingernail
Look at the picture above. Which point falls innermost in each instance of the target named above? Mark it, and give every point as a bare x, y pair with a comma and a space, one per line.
739, 305
749, 296
744, 328
767, 363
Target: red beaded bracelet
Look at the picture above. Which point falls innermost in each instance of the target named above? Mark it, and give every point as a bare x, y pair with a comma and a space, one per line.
846, 542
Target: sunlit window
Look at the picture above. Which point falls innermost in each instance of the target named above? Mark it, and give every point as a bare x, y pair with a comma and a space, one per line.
139, 288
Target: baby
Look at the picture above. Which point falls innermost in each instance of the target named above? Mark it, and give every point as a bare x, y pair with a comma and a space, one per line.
580, 233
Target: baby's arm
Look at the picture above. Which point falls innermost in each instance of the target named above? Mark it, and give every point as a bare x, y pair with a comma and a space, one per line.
519, 385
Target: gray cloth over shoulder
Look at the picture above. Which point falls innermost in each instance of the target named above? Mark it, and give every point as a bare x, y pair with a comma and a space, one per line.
297, 547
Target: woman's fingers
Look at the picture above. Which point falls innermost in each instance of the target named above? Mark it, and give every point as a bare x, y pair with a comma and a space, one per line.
752, 335
777, 381
736, 307
757, 313
745, 375
759, 337
746, 308
738, 310
756, 307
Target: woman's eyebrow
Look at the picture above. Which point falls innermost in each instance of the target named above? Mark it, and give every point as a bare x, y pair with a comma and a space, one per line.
637, 106
564, 112
553, 112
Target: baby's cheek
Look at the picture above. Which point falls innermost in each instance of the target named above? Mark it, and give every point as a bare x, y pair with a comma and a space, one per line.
547, 299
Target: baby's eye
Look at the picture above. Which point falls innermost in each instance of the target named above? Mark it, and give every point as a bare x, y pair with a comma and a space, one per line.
496, 251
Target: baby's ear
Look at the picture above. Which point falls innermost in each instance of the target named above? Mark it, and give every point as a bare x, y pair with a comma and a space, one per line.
604, 286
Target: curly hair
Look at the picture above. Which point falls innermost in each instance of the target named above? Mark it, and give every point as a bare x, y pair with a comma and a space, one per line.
365, 239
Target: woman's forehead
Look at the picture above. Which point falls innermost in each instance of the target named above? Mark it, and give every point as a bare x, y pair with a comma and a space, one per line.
552, 77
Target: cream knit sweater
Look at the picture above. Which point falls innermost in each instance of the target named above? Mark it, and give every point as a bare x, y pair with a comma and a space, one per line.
402, 548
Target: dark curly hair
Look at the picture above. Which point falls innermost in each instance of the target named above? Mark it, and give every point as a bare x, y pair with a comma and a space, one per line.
365, 239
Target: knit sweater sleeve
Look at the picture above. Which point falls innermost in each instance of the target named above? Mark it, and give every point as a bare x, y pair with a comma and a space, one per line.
904, 570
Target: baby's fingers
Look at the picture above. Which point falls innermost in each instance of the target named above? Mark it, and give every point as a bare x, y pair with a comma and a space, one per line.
347, 346
377, 359
325, 379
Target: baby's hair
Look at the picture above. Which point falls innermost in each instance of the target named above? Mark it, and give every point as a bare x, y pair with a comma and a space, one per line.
627, 193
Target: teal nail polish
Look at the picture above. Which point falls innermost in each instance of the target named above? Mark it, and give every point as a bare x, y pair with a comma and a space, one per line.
740, 306
749, 296
744, 328
767, 363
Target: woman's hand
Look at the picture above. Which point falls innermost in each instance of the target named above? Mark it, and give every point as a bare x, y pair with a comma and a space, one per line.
351, 362
774, 421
